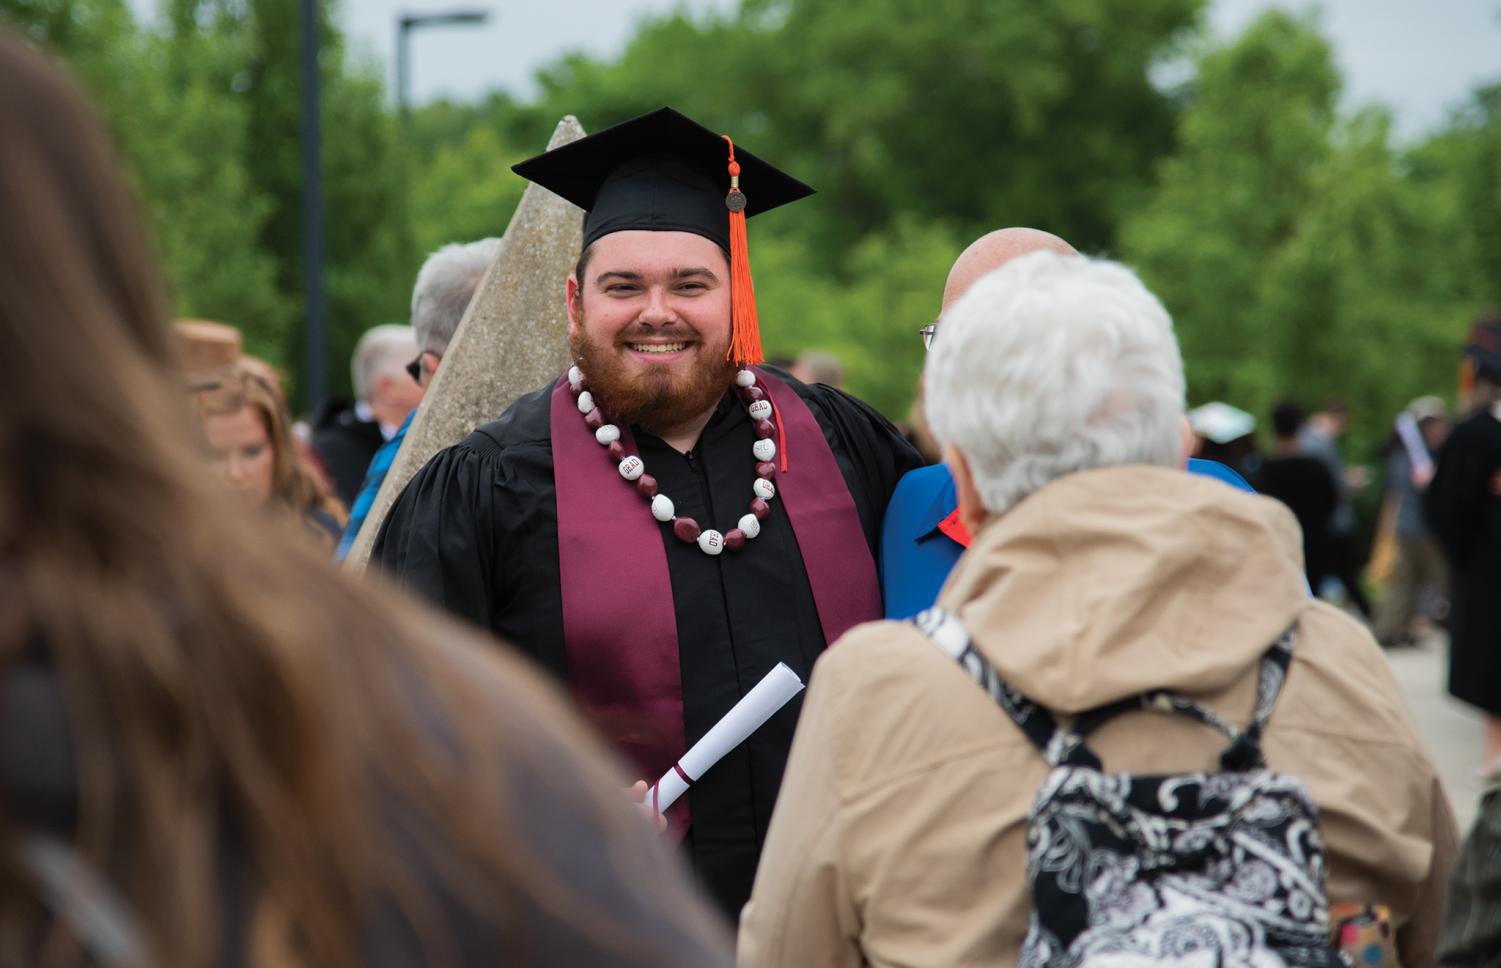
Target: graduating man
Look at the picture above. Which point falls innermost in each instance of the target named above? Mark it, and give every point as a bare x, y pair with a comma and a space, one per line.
667, 521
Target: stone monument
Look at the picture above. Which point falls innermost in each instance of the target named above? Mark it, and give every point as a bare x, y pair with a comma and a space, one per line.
513, 339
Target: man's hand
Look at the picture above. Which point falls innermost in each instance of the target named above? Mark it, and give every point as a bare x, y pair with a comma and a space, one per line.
636, 793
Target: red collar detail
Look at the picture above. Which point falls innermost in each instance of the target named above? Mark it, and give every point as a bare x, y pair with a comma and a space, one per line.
955, 529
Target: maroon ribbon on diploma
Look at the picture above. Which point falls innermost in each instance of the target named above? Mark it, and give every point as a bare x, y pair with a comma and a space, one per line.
619, 624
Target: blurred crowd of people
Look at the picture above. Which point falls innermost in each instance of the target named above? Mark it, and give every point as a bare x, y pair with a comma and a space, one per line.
1118, 728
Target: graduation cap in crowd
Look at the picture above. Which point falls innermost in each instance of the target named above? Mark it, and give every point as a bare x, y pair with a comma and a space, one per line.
663, 172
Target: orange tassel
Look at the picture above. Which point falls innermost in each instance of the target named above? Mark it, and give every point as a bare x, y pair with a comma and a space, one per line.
745, 330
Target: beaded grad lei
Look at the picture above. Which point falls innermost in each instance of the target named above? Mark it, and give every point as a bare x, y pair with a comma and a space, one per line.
633, 469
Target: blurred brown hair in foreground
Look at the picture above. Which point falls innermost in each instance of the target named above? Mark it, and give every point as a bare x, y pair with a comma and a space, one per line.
260, 762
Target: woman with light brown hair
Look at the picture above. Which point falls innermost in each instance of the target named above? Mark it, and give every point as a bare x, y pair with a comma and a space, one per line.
214, 749
248, 432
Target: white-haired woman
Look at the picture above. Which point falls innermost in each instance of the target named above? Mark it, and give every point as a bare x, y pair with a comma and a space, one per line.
1099, 570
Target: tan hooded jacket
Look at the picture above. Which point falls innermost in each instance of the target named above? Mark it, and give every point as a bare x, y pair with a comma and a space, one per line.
899, 834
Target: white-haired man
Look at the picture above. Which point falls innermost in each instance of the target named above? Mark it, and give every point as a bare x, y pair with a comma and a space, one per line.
346, 436
445, 285
1098, 571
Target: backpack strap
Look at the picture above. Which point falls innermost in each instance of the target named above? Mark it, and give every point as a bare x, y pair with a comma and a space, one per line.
1061, 746
1057, 745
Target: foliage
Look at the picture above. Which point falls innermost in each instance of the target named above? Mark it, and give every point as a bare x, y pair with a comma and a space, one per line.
1257, 129
1301, 252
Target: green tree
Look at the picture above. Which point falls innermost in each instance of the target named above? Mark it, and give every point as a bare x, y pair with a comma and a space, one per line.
1348, 306
464, 190
1251, 141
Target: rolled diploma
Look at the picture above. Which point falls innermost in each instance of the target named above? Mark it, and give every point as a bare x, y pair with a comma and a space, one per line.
754, 709
1412, 440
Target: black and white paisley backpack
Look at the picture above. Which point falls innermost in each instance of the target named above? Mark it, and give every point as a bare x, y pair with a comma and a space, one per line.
1223, 869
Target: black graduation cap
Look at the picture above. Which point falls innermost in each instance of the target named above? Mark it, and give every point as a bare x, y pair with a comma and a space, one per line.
663, 172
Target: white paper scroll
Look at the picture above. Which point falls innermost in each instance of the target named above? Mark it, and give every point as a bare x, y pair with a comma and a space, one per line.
755, 708
1412, 441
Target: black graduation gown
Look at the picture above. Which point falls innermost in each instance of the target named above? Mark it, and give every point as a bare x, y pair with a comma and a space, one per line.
1465, 514
476, 532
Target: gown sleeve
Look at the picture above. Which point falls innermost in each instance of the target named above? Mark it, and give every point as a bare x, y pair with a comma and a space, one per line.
878, 452
439, 538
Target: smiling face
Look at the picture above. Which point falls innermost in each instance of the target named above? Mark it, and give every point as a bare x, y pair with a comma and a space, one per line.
650, 325
242, 453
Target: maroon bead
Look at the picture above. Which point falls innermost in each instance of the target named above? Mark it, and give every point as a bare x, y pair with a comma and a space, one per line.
646, 486
594, 419
752, 394
575, 390
766, 470
686, 529
765, 428
760, 509
734, 539
617, 451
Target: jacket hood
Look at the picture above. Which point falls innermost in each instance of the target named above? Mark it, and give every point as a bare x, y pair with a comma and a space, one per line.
1108, 583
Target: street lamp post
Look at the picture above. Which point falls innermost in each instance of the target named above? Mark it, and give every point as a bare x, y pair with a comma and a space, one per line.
315, 362
405, 24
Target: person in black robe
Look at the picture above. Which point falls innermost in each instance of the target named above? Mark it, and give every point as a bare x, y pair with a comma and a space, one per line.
1304, 484
1463, 506
477, 529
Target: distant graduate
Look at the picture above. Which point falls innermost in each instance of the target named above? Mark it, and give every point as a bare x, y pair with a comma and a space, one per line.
668, 520
1463, 505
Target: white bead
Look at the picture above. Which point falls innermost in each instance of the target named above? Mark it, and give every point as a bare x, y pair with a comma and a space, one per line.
607, 434
760, 410
661, 508
764, 489
631, 468
764, 449
586, 402
751, 525
575, 377
745, 378
710, 542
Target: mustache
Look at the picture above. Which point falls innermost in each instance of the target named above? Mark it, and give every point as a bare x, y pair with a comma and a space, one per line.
673, 334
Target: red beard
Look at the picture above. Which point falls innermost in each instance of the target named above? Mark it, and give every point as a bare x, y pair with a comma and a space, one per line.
660, 400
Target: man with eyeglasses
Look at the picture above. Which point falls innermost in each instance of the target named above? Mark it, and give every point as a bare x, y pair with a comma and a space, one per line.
922, 535
446, 283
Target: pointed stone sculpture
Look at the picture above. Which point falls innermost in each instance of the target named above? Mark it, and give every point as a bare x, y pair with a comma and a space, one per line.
513, 339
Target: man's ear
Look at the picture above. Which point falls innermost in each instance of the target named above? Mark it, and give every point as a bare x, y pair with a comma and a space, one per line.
430, 361
971, 508
575, 297
1190, 440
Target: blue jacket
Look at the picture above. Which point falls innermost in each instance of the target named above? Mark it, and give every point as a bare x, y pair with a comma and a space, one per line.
917, 551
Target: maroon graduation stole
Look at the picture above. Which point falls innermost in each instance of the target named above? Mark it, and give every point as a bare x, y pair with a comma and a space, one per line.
619, 626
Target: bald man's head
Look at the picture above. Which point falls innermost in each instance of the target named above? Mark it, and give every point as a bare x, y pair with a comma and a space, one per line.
994, 249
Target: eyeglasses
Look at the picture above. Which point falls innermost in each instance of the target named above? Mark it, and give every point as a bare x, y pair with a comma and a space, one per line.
414, 369
927, 333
